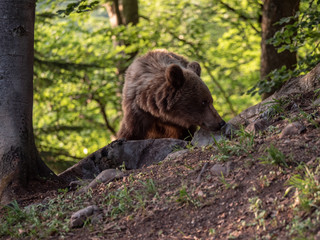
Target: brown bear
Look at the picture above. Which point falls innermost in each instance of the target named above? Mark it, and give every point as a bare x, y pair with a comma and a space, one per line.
164, 97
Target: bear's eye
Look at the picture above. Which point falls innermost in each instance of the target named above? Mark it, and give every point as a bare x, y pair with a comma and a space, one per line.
204, 103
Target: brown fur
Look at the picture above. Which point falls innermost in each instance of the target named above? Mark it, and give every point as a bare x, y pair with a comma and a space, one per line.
164, 97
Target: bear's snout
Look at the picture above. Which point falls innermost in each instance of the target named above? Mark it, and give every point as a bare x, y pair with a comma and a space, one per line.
213, 126
222, 123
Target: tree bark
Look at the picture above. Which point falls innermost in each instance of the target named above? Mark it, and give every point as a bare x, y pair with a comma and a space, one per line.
122, 12
19, 159
273, 11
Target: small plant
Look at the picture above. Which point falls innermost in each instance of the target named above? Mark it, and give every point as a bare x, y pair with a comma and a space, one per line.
150, 186
310, 118
212, 232
226, 184
259, 213
308, 187
274, 156
226, 149
120, 201
246, 139
14, 215
277, 107
177, 148
191, 146
273, 129
308, 201
264, 181
122, 167
40, 220
185, 198
63, 190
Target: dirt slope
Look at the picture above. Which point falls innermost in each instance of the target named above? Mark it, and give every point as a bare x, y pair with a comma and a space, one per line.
269, 189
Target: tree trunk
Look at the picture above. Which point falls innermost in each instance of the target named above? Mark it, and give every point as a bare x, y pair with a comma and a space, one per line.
19, 159
122, 12
273, 11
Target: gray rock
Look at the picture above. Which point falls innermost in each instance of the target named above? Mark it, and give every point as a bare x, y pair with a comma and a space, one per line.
316, 102
204, 137
134, 154
105, 176
177, 154
79, 217
74, 185
217, 169
258, 125
292, 129
141, 153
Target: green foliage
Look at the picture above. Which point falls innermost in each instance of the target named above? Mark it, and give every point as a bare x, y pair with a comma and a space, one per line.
309, 189
226, 184
40, 221
78, 7
126, 199
121, 201
242, 143
185, 198
301, 34
226, 148
259, 213
310, 117
245, 139
14, 218
308, 201
277, 107
274, 157
150, 186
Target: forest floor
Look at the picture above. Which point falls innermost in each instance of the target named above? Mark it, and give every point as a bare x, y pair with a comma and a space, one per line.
269, 190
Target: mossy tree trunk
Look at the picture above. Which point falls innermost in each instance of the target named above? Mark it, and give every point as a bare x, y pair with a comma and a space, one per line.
19, 159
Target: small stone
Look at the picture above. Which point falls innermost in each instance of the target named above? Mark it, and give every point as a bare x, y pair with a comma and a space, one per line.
74, 185
294, 107
204, 137
317, 237
104, 177
79, 217
292, 129
176, 154
228, 130
316, 102
217, 169
257, 126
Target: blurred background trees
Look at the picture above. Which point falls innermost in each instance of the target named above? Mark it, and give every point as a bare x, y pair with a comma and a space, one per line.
82, 49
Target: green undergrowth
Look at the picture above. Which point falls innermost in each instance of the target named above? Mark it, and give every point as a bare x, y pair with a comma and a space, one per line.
306, 219
242, 143
52, 218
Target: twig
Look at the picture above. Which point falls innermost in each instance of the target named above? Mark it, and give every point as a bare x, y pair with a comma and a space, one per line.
104, 115
240, 15
198, 179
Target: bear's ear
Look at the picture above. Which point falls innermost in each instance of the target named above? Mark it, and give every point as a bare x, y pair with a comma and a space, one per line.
195, 67
174, 76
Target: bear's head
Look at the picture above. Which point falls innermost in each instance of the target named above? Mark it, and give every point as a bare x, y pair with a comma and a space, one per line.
191, 101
